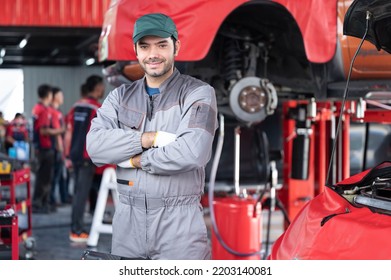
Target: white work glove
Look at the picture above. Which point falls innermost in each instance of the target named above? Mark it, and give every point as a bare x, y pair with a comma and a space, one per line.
163, 138
126, 164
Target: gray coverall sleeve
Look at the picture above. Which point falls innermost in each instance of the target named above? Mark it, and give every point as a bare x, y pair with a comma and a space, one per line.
107, 143
192, 148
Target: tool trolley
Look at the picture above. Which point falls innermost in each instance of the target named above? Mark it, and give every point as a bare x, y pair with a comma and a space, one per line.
15, 212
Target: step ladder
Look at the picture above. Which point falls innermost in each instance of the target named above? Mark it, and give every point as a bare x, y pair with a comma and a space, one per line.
108, 183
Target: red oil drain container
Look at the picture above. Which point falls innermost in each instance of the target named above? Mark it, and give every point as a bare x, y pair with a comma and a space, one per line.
239, 226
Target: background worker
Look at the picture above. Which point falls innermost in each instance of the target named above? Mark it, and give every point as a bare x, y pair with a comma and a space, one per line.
16, 131
44, 148
3, 126
78, 123
60, 177
159, 131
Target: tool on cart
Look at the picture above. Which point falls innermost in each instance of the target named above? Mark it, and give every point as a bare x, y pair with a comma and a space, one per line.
7, 213
5, 167
8, 165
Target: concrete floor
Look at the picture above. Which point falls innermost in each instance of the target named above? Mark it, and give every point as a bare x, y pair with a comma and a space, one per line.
51, 234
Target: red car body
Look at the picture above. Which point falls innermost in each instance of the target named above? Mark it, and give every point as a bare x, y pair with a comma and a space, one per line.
199, 21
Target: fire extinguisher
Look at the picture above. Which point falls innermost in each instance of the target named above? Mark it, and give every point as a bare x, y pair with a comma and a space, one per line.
236, 221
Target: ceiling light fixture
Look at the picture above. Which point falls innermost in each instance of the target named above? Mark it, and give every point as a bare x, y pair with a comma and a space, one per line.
23, 43
55, 52
2, 52
90, 61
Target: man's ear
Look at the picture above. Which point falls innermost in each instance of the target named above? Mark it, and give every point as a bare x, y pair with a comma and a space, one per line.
135, 48
177, 47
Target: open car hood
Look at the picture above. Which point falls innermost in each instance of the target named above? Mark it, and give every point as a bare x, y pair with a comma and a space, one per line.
379, 32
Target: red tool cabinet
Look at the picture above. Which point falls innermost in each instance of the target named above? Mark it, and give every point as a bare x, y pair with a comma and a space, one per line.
21, 206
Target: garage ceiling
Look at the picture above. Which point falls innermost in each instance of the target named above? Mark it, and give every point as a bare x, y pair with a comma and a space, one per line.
47, 46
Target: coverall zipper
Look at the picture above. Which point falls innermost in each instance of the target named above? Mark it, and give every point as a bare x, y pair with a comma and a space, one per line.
150, 113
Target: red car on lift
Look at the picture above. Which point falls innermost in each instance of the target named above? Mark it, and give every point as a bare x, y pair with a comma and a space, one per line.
255, 53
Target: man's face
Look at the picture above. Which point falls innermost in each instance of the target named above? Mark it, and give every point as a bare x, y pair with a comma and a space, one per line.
156, 55
48, 98
100, 88
59, 98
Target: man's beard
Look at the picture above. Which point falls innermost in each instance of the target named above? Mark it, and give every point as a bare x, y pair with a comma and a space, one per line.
167, 67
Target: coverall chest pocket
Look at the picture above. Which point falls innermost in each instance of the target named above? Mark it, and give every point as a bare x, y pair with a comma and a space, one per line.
130, 119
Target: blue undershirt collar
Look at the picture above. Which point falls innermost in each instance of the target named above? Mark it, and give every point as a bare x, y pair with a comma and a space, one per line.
152, 91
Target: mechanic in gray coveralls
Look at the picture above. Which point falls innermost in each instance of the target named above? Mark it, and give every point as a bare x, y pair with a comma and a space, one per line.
159, 131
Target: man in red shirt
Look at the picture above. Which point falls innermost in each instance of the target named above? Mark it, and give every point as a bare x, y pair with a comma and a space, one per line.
44, 145
59, 178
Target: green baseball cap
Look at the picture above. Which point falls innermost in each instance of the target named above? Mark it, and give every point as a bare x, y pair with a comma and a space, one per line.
154, 24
